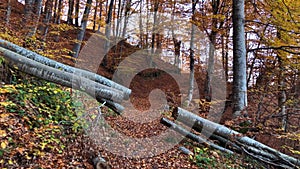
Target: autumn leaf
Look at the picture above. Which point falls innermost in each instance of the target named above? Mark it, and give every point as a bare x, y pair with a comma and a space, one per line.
3, 144
3, 133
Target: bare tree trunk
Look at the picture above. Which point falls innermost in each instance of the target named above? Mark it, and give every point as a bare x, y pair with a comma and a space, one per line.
225, 55
58, 10
154, 30
47, 18
239, 59
244, 142
127, 9
70, 12
82, 29
282, 94
141, 43
101, 92
108, 31
77, 7
57, 65
8, 12
192, 57
55, 11
192, 136
28, 21
100, 15
95, 15
120, 10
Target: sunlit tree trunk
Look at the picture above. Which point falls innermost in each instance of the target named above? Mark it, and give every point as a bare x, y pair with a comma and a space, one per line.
192, 57
108, 24
127, 9
82, 29
282, 94
239, 59
213, 37
282, 88
108, 31
120, 9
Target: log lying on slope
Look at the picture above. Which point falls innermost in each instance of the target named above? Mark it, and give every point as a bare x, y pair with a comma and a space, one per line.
46, 61
243, 141
102, 93
192, 136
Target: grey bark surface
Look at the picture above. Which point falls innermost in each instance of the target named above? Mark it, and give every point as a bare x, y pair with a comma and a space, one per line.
47, 18
239, 58
55, 75
192, 136
57, 65
81, 33
189, 118
192, 57
100, 92
126, 16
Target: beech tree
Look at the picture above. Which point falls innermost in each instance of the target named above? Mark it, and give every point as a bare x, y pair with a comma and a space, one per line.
70, 12
82, 29
239, 58
192, 57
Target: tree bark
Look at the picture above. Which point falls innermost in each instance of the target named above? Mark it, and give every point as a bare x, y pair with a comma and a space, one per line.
100, 15
192, 136
70, 12
210, 127
127, 10
81, 33
57, 65
192, 57
77, 7
239, 59
55, 75
100, 92
95, 16
47, 18
211, 60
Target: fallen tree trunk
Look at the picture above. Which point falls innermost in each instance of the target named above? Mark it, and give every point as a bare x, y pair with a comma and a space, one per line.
101, 92
57, 65
192, 136
189, 118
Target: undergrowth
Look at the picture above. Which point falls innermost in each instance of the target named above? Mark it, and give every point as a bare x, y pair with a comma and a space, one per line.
204, 157
38, 118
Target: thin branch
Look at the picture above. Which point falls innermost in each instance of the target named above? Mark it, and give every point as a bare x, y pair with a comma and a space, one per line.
283, 48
